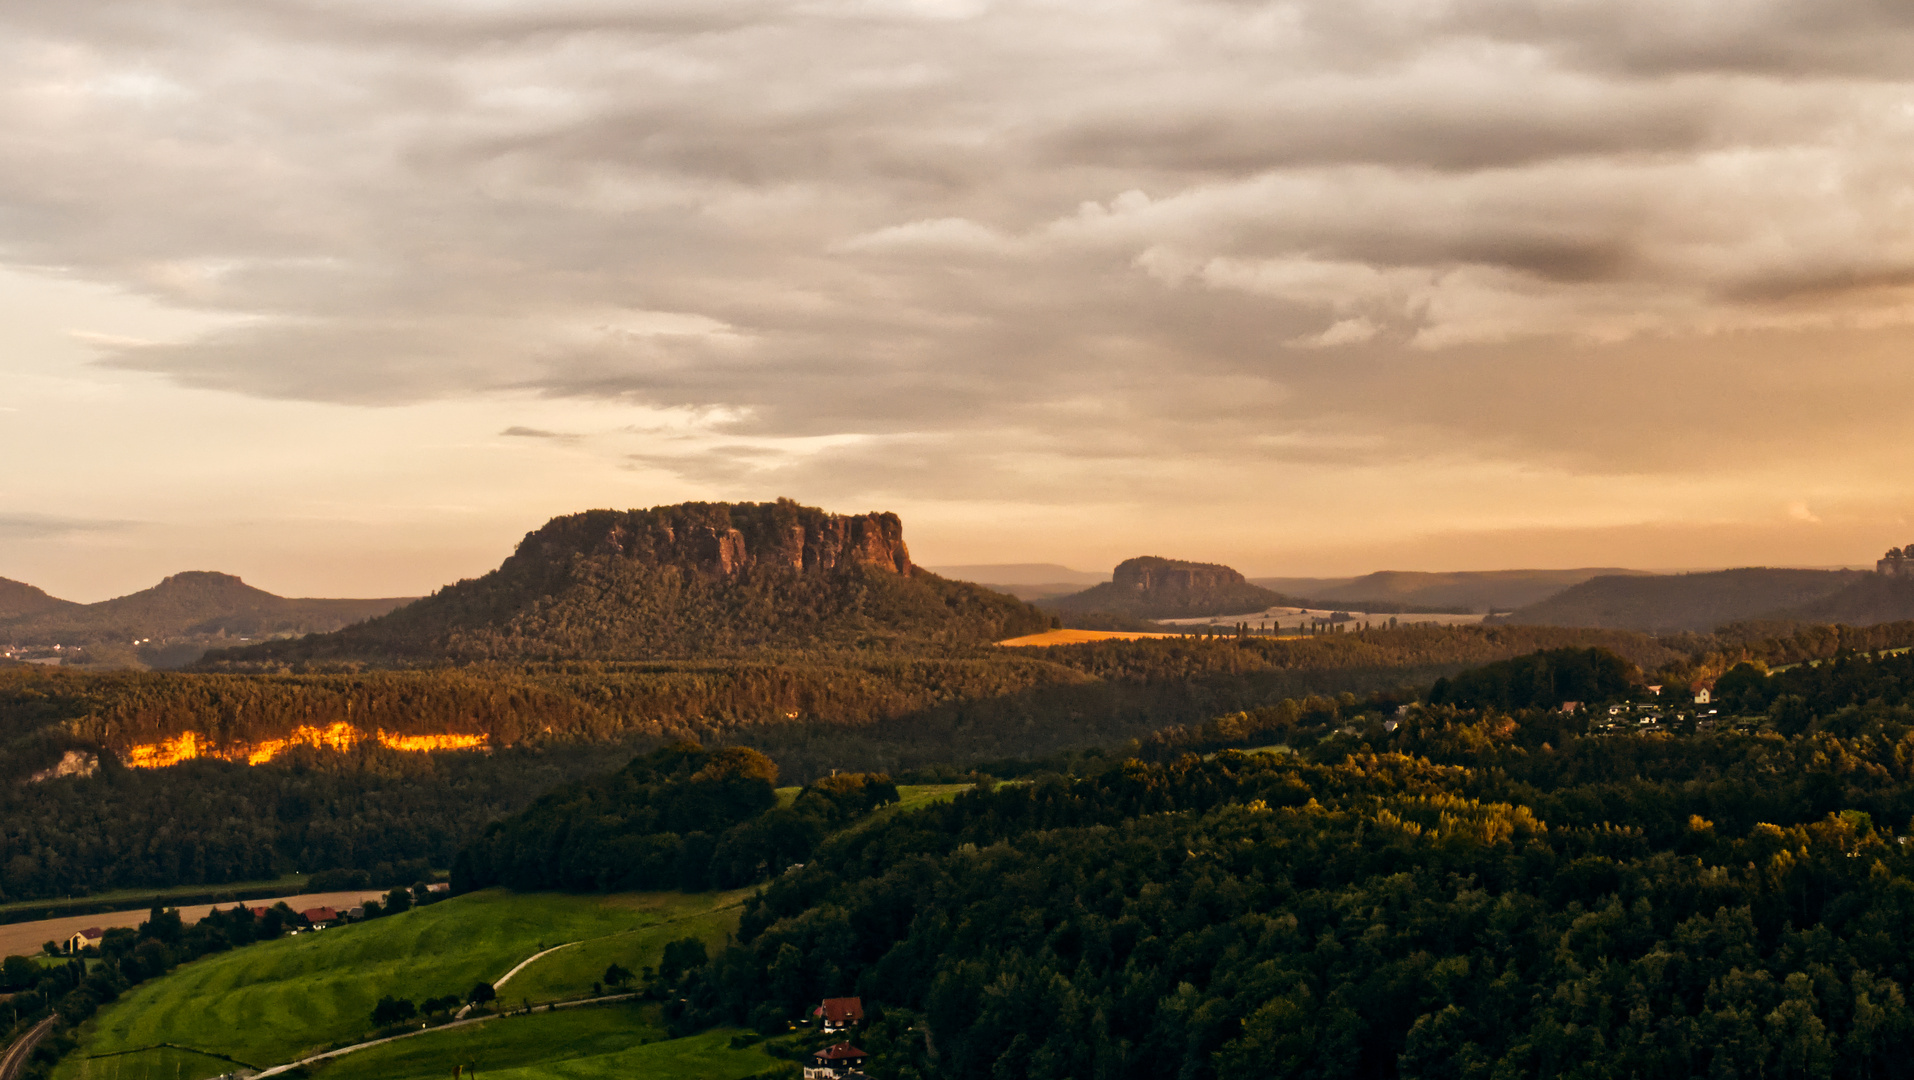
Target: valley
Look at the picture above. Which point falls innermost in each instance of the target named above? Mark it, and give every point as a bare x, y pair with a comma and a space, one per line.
675, 776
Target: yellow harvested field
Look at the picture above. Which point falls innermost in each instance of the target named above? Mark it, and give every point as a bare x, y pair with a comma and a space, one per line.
1077, 637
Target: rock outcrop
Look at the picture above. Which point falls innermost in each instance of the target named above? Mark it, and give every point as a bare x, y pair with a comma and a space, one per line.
1157, 576
1152, 587
721, 540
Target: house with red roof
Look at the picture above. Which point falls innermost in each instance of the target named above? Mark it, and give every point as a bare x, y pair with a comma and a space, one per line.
88, 938
840, 1013
320, 916
835, 1062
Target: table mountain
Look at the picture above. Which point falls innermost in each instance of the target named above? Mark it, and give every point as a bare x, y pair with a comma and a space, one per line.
692, 580
1152, 587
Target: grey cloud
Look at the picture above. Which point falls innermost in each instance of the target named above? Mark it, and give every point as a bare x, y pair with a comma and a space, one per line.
52, 527
1352, 234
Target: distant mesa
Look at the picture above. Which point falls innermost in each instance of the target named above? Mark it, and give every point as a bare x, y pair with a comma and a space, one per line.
686, 581
1163, 578
1153, 587
1898, 562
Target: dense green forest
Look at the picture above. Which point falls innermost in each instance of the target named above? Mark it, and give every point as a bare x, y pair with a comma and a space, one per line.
681, 817
212, 821
1476, 893
1479, 886
812, 712
215, 822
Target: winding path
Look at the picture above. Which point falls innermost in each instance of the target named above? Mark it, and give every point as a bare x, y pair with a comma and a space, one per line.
277, 1069
507, 977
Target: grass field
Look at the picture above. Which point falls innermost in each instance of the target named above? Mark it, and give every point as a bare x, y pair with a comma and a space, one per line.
618, 1040
277, 1001
569, 973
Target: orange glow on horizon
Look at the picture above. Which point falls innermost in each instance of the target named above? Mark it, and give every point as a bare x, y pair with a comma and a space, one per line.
339, 736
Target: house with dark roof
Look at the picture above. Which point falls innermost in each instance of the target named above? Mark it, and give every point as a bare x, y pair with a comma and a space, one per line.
840, 1013
88, 938
836, 1062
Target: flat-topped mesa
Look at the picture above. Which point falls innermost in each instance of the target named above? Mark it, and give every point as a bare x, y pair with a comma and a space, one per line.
721, 540
1152, 574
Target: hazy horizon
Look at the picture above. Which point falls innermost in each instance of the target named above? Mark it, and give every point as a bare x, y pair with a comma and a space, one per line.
346, 299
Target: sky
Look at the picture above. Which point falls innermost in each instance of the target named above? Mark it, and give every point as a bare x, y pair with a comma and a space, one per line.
346, 297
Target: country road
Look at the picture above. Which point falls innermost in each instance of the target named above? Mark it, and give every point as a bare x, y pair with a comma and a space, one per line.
22, 1048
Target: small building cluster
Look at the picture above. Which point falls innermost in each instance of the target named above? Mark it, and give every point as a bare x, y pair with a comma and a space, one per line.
839, 1061
1656, 718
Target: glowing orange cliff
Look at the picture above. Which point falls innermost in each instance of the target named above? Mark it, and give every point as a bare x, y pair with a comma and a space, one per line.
338, 736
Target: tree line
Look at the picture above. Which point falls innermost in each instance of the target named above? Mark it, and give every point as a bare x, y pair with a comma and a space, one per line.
681, 817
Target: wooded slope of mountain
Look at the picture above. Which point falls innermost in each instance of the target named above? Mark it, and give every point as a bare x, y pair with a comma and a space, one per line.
18, 599
1867, 600
1461, 894
694, 580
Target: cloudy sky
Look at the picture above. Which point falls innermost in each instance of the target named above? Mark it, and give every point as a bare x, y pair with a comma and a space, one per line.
346, 295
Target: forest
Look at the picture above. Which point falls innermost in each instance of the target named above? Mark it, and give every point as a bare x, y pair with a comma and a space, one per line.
1374, 885
681, 817
212, 822
1478, 893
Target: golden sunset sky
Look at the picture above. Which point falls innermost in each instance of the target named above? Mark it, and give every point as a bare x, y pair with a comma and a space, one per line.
346, 297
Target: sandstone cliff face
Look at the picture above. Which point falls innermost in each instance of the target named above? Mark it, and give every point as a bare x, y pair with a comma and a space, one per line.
722, 539
1151, 574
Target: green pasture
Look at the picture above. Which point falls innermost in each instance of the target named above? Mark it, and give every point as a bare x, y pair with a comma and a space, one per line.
570, 972
277, 1001
617, 1040
916, 797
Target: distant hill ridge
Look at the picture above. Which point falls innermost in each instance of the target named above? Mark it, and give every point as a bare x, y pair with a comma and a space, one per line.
684, 581
1699, 602
1463, 590
184, 609
18, 599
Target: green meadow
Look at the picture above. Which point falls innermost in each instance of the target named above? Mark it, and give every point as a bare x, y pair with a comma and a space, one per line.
615, 1040
570, 972
278, 1001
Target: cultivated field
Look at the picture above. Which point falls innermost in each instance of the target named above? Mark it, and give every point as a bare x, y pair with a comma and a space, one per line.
1075, 637
26, 938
